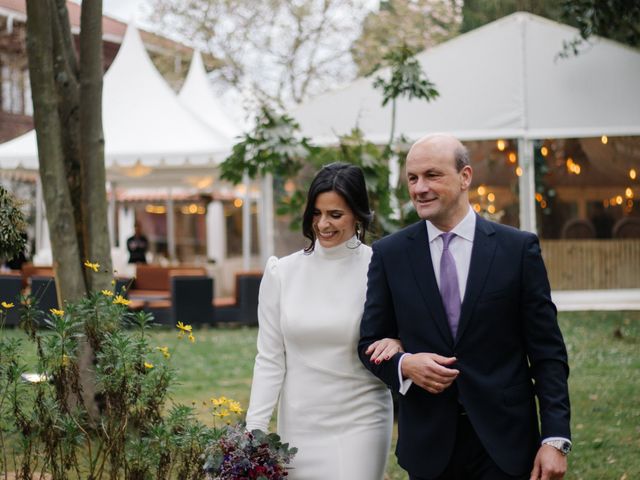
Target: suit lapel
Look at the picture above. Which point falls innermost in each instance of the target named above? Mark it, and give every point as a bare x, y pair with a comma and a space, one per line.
482, 253
422, 267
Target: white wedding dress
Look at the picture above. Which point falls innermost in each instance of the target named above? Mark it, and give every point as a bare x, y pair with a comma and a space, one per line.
330, 407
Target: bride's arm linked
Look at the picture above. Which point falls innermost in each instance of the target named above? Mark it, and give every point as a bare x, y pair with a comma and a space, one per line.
383, 349
269, 367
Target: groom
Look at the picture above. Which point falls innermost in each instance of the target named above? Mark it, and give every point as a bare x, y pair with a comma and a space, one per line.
470, 301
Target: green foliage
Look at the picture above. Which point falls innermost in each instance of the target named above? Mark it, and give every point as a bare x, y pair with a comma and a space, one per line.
407, 78
272, 147
12, 226
275, 147
418, 23
476, 13
615, 19
44, 423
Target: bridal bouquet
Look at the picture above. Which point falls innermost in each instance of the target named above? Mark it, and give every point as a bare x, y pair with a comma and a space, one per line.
238, 454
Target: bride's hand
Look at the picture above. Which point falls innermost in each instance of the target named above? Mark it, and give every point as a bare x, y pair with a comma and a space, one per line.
383, 349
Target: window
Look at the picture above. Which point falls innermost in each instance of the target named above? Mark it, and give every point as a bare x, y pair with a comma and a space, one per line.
16, 90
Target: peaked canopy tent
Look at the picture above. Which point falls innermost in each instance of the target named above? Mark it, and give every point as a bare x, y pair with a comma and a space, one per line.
197, 97
500, 81
151, 139
147, 130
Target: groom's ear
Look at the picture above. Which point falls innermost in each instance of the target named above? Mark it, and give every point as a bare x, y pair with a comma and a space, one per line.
466, 174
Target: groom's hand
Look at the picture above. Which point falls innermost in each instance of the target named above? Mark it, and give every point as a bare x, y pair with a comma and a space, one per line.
430, 371
549, 464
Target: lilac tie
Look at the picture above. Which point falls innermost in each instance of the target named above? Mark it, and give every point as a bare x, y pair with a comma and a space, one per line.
449, 289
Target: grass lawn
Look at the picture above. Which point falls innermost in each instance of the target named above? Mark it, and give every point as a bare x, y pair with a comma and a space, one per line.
604, 354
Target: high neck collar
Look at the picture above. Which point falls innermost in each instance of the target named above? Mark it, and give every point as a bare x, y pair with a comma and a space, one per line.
350, 247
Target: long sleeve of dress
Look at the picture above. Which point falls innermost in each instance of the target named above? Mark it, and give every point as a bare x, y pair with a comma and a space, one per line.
269, 369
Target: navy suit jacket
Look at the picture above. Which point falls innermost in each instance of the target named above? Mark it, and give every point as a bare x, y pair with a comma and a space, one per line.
509, 347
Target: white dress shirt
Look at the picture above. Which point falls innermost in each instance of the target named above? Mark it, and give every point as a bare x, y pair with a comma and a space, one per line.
460, 247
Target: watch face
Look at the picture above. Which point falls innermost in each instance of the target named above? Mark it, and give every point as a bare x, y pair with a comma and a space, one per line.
566, 447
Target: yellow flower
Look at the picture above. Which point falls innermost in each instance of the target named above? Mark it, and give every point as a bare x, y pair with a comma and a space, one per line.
148, 365
219, 401
92, 266
107, 293
7, 305
120, 300
235, 407
165, 351
184, 328
221, 413
192, 339
56, 312
113, 282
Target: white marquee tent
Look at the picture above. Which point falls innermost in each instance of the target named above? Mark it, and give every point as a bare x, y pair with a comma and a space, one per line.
197, 96
144, 122
151, 138
499, 81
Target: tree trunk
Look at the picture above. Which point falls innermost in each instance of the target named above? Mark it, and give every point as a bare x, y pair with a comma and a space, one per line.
60, 211
67, 102
95, 216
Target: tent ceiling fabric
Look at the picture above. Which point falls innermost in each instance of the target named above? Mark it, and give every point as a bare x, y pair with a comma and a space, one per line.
499, 81
144, 122
197, 96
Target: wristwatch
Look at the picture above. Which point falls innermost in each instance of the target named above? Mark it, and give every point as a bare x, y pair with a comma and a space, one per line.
562, 445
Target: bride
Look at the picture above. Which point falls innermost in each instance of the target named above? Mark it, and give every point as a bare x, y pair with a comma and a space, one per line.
330, 407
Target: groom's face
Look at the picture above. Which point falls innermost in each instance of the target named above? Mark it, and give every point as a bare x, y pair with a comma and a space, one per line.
437, 189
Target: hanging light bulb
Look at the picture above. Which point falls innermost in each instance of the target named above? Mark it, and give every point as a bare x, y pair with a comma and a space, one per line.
632, 174
604, 139
513, 157
628, 193
481, 190
519, 171
501, 144
544, 151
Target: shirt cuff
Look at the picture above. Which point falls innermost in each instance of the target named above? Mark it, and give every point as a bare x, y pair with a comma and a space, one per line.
550, 439
404, 383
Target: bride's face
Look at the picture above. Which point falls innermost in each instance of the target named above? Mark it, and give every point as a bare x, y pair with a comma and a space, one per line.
333, 220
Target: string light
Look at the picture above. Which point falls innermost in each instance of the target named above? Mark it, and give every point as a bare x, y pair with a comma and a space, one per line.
632, 174
491, 209
538, 197
513, 157
481, 190
501, 144
619, 200
628, 193
491, 197
544, 151
155, 209
477, 207
604, 139
519, 171
572, 166
238, 202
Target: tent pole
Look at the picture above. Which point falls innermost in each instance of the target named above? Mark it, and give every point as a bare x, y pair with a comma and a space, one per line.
527, 186
246, 224
267, 240
39, 217
171, 228
216, 232
112, 213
